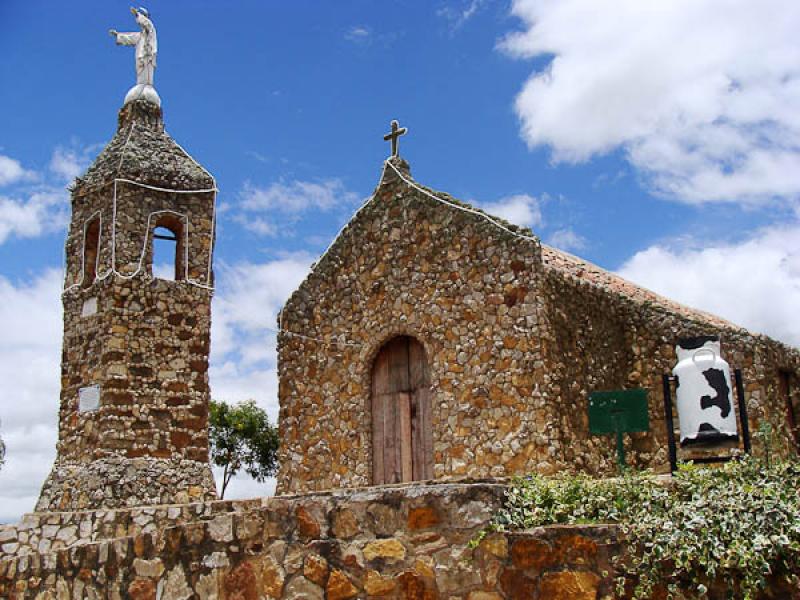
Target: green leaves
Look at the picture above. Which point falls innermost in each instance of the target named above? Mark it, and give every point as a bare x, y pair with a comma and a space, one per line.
241, 436
731, 526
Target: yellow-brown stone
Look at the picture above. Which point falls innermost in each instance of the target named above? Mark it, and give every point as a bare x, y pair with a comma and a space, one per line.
272, 580
315, 568
377, 585
532, 554
575, 549
340, 587
569, 585
413, 587
484, 596
389, 549
496, 544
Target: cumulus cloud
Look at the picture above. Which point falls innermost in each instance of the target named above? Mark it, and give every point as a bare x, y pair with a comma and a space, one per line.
245, 310
11, 171
69, 163
291, 199
703, 96
30, 348
567, 239
42, 212
755, 283
243, 365
520, 209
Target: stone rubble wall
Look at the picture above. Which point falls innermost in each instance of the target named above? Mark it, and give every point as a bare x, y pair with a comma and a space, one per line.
147, 348
411, 543
609, 341
146, 342
470, 293
516, 334
49, 531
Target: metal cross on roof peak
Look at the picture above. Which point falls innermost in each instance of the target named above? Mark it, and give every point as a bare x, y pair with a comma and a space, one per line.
397, 131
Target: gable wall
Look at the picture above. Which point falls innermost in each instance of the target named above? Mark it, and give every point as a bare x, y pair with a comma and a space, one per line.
407, 265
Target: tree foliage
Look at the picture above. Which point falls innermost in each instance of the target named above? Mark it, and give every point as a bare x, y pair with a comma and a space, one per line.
732, 526
241, 437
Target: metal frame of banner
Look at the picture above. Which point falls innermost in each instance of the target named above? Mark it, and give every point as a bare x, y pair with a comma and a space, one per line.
669, 420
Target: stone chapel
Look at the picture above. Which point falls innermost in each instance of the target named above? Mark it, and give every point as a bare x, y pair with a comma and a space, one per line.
433, 341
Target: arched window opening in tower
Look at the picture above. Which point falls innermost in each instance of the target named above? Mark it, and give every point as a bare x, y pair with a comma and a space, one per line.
91, 245
168, 250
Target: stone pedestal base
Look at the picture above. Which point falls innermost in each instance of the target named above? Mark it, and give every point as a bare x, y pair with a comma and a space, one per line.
125, 482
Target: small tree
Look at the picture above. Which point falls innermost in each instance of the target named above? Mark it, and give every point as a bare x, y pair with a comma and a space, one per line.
241, 436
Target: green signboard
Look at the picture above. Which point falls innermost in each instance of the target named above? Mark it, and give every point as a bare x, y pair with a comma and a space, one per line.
618, 412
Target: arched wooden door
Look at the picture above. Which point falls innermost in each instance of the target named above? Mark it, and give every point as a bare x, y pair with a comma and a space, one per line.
402, 438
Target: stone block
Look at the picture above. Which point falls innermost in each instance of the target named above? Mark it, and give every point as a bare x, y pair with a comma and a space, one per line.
569, 585
390, 550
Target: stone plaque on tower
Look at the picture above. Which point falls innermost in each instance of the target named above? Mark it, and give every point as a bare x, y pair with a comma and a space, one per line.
133, 418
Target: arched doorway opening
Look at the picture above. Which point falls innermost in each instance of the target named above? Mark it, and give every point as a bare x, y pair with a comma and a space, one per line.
402, 437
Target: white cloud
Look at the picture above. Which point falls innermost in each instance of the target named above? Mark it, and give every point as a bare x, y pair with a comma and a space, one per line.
245, 311
296, 196
755, 283
458, 16
243, 365
11, 171
567, 239
43, 212
703, 96
69, 163
358, 34
291, 199
30, 347
520, 209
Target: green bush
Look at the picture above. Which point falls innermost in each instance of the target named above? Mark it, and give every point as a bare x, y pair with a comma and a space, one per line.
733, 525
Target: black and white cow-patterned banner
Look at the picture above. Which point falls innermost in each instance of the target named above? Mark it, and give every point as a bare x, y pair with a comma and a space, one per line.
705, 397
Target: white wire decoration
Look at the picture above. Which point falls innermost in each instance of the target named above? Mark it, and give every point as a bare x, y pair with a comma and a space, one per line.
140, 263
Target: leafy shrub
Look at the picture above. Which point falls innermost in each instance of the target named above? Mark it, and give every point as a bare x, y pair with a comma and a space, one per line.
733, 525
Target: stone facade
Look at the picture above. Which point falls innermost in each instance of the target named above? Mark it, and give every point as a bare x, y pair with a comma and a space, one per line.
516, 335
135, 345
410, 543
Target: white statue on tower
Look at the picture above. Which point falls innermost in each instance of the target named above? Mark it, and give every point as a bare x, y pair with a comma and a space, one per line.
146, 50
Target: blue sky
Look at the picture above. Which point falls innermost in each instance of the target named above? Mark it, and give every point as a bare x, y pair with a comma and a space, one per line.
660, 140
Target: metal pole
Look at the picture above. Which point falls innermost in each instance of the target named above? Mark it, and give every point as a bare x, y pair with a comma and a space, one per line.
673, 450
737, 374
620, 448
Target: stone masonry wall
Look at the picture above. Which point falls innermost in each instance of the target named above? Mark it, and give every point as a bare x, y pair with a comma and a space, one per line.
141, 340
516, 334
410, 543
45, 532
609, 340
469, 293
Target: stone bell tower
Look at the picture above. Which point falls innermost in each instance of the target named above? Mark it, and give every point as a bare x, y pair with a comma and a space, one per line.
133, 419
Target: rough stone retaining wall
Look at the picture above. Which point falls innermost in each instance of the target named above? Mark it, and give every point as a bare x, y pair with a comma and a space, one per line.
410, 542
45, 532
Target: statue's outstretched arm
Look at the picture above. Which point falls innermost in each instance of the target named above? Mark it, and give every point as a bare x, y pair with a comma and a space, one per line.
126, 39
